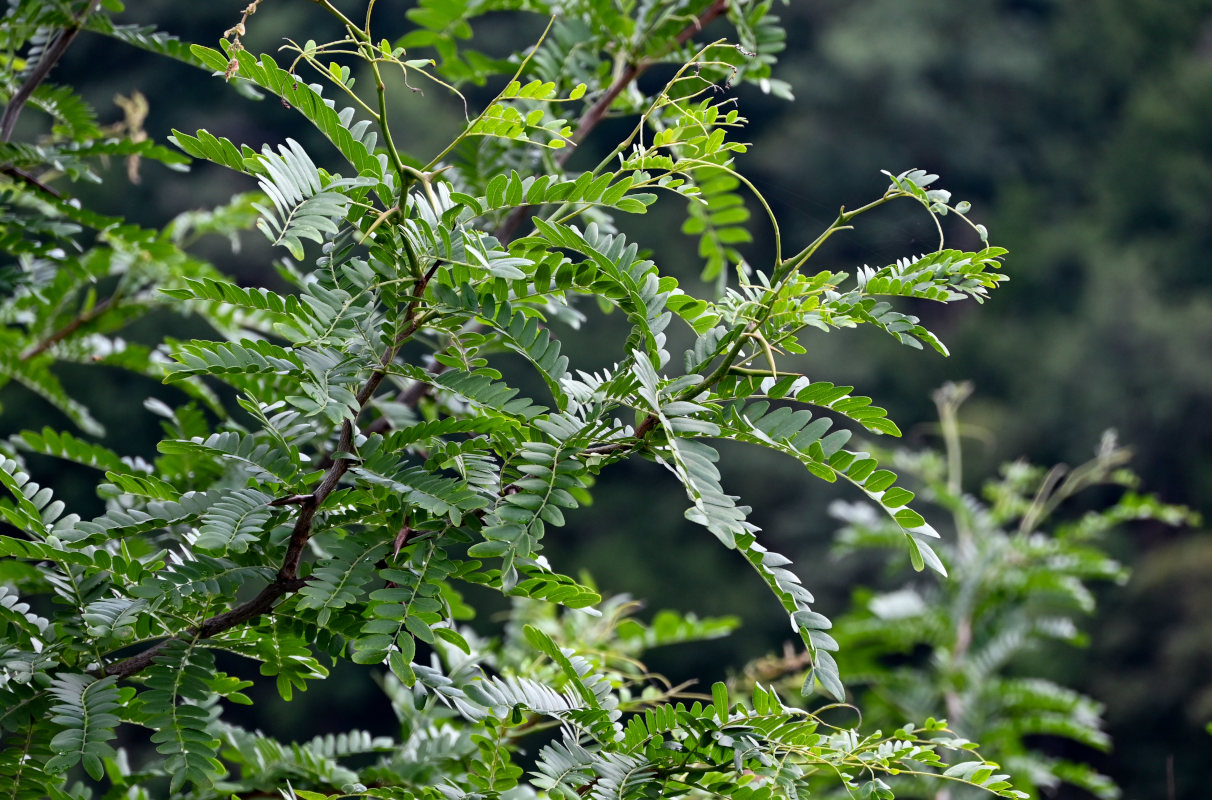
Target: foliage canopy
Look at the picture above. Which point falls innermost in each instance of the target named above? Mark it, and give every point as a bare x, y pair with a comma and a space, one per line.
352, 450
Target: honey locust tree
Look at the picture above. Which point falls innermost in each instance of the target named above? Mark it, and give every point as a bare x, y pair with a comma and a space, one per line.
349, 451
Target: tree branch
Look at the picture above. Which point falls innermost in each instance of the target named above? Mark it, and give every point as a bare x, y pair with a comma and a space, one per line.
597, 112
287, 580
50, 57
261, 604
68, 329
26, 178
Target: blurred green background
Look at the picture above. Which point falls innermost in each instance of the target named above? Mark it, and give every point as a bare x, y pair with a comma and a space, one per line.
1081, 133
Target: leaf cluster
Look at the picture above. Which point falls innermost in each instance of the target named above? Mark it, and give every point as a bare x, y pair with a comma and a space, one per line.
352, 453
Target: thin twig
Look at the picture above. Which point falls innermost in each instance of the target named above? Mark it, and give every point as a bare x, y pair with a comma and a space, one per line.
25, 177
597, 112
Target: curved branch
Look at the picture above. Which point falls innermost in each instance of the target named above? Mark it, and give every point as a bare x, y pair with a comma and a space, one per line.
71, 327
597, 112
58, 47
287, 580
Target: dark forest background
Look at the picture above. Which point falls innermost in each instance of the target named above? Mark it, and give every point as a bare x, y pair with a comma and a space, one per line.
1082, 134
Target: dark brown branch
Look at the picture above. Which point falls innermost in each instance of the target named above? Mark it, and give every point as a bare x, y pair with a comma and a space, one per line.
301, 533
641, 432
402, 537
292, 500
30, 180
50, 57
381, 424
68, 329
287, 579
261, 604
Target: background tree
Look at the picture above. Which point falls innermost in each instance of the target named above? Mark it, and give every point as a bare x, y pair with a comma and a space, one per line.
1019, 582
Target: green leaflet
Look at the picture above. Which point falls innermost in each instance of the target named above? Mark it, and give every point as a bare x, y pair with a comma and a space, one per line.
66, 446
340, 576
717, 216
234, 522
280, 308
693, 462
18, 621
623, 277
201, 580
355, 141
176, 685
32, 508
520, 332
84, 714
609, 189
799, 435
220, 151
439, 495
262, 457
305, 205
74, 159
114, 621
317, 760
34, 375
481, 387
516, 525
27, 744
144, 37
74, 118
819, 393
410, 608
552, 587
284, 650
943, 276
218, 358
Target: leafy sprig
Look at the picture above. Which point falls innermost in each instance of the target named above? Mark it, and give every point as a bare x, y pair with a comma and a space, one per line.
366, 454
